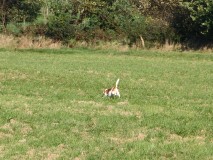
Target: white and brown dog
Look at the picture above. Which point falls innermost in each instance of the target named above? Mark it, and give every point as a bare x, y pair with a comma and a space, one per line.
112, 92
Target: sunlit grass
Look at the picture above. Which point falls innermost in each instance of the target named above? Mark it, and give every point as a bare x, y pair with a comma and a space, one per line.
51, 105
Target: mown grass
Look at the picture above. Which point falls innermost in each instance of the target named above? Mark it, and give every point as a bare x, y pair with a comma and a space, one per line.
51, 105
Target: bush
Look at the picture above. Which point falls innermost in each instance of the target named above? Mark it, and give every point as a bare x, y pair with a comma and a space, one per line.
13, 29
35, 30
59, 28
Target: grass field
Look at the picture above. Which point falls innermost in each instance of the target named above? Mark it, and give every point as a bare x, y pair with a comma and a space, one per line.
51, 105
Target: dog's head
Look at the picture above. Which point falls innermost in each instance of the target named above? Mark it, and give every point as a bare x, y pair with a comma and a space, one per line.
106, 91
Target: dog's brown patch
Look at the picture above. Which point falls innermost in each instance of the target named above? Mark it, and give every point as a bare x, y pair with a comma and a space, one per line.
107, 91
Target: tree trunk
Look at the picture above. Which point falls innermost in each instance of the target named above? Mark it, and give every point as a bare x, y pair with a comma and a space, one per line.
142, 41
24, 23
3, 14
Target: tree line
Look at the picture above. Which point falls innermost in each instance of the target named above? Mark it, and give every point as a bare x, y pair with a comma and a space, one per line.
128, 21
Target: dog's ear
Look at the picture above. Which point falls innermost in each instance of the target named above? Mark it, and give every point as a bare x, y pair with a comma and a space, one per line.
105, 92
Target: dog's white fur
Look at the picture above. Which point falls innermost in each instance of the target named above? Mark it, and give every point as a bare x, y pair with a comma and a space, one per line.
112, 92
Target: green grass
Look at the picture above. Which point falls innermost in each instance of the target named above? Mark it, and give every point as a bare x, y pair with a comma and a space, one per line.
51, 105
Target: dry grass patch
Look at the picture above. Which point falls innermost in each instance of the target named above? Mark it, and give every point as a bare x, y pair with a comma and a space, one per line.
13, 76
45, 153
200, 140
120, 141
2, 150
123, 103
5, 135
13, 125
106, 46
92, 72
23, 42
128, 113
93, 103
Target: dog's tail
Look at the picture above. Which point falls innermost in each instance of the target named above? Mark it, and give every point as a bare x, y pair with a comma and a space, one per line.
116, 85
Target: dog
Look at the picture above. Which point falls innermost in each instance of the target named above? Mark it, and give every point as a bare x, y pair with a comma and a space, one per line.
112, 92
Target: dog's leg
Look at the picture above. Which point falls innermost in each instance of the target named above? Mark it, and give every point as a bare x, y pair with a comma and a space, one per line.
119, 95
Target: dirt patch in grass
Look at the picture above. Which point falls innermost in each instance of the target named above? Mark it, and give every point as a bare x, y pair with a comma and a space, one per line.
123, 103
46, 153
93, 72
14, 124
89, 103
13, 76
118, 140
81, 156
51, 156
120, 111
5, 135
7, 127
174, 137
1, 151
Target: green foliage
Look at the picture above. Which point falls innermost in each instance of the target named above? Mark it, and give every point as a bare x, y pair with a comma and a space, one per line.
60, 24
128, 20
201, 16
19, 11
25, 10
13, 29
93, 20
16, 15
59, 27
182, 23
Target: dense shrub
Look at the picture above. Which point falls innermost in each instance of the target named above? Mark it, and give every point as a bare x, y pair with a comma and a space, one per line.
60, 28
36, 29
13, 29
130, 21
